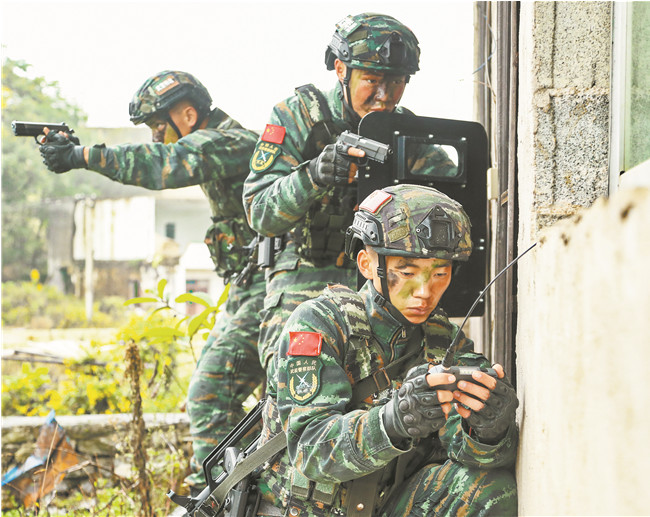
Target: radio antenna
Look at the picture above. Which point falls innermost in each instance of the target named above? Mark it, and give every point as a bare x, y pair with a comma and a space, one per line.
447, 360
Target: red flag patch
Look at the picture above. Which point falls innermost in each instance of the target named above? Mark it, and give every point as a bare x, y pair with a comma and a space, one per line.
375, 201
305, 343
274, 134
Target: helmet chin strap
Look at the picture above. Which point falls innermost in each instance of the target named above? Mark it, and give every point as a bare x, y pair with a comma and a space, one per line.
382, 274
347, 95
174, 126
383, 297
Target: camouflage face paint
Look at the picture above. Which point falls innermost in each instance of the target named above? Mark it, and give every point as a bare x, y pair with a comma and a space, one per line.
374, 91
416, 285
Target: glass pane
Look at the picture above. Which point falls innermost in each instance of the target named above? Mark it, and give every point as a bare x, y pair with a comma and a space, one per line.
637, 124
432, 160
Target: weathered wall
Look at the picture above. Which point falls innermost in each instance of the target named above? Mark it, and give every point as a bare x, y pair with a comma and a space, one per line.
564, 63
582, 353
583, 300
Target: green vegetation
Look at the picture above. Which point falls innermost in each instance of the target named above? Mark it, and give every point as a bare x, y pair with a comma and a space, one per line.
166, 344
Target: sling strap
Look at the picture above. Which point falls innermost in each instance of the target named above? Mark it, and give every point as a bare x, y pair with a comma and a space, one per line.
248, 464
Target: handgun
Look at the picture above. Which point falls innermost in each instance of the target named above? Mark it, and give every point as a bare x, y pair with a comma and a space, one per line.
374, 150
35, 129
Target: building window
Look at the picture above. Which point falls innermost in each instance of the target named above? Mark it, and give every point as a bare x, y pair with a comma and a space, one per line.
630, 89
170, 230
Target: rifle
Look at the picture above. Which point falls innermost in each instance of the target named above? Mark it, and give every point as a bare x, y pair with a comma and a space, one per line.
35, 129
205, 504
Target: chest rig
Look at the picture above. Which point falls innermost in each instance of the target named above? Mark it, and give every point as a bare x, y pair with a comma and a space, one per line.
320, 235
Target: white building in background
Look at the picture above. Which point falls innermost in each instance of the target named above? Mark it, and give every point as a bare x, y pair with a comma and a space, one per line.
125, 246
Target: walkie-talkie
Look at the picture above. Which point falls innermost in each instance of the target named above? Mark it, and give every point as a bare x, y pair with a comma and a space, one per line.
464, 373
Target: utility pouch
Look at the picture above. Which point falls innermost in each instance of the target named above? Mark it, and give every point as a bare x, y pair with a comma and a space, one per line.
228, 241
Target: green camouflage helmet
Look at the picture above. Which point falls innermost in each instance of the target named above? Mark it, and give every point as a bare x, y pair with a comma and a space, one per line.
371, 41
161, 91
411, 221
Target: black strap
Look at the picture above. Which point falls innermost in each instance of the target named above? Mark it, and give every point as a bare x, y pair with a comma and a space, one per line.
362, 493
382, 378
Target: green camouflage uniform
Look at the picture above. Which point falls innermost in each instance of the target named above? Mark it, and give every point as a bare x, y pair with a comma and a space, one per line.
280, 199
333, 440
216, 158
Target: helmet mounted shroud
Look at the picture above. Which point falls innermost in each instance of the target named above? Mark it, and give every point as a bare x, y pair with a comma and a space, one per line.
436, 231
162, 91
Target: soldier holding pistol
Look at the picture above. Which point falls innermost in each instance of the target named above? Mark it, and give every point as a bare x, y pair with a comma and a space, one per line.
193, 144
301, 185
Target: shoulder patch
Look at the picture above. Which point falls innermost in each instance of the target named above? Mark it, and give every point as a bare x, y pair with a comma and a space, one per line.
264, 155
305, 343
375, 201
303, 378
274, 134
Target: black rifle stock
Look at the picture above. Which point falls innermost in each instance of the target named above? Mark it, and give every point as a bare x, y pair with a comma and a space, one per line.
35, 129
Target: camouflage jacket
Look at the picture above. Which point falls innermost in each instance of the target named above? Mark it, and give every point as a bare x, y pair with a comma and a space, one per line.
216, 158
279, 195
330, 438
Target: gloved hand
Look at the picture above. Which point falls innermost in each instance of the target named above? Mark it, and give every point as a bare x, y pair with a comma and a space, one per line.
60, 153
491, 423
333, 166
414, 411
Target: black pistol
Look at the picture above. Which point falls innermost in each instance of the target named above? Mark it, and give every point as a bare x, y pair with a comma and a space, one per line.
374, 150
35, 129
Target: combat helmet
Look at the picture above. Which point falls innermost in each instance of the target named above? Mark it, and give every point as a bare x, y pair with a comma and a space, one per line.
411, 221
161, 91
372, 41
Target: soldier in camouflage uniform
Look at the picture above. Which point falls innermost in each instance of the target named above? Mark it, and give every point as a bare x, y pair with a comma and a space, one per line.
299, 187
194, 145
370, 427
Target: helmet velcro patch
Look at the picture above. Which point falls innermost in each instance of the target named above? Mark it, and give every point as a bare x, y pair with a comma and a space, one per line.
165, 84
375, 201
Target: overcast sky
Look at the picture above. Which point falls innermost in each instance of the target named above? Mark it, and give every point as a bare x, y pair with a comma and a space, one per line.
249, 54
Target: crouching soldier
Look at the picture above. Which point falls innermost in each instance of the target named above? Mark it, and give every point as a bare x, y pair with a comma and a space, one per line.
370, 428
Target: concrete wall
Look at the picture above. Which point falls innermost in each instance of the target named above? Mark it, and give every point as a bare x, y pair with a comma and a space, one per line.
583, 300
564, 92
583, 358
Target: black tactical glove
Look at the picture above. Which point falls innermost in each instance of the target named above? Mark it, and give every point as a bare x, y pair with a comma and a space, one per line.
491, 423
414, 411
333, 166
60, 154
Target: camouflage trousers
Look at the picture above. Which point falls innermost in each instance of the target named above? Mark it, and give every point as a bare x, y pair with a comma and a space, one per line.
288, 288
226, 374
453, 489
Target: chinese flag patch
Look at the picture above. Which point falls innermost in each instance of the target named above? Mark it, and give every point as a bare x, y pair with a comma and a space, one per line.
305, 343
375, 201
274, 134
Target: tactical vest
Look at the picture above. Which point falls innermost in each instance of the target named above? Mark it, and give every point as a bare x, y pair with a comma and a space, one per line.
320, 235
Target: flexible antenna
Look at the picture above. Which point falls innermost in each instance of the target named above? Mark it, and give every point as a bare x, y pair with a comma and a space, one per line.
447, 360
